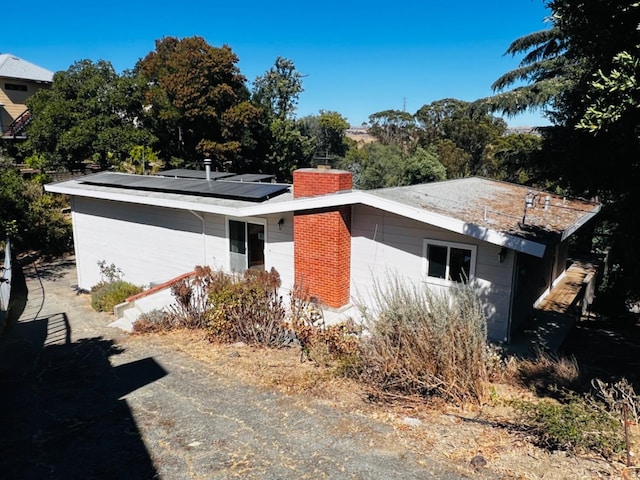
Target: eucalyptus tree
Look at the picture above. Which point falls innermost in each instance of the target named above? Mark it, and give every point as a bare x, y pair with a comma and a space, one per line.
285, 145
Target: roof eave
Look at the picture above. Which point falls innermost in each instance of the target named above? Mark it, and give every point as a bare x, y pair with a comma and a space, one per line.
581, 222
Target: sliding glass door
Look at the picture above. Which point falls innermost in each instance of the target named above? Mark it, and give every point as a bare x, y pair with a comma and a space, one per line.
246, 245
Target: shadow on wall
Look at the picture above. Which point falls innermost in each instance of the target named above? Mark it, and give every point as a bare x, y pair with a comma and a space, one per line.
62, 412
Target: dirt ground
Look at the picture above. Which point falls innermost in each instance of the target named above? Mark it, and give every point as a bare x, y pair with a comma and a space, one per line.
83, 400
446, 433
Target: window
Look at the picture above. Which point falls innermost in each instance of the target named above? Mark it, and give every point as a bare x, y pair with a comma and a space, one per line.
447, 262
16, 87
246, 245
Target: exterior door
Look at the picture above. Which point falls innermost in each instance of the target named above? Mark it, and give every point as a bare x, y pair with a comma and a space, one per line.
246, 245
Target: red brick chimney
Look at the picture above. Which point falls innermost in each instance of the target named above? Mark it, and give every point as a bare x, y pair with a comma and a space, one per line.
322, 237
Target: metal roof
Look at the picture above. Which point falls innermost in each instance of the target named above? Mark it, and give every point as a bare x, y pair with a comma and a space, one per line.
14, 67
253, 192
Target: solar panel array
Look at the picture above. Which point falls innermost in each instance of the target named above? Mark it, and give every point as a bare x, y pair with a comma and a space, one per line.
236, 190
201, 174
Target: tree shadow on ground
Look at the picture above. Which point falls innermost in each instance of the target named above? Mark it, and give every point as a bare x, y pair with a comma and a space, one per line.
48, 268
62, 415
607, 348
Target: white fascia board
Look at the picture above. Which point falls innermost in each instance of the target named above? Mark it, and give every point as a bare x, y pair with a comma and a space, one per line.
137, 199
572, 229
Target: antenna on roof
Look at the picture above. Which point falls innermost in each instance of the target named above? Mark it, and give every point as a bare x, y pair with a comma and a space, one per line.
529, 202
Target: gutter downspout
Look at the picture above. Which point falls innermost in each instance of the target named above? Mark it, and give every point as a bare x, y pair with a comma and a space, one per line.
204, 236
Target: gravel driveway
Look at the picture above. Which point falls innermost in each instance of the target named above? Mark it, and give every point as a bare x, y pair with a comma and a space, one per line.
78, 401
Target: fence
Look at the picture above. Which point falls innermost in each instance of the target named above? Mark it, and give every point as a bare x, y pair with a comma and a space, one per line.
5, 280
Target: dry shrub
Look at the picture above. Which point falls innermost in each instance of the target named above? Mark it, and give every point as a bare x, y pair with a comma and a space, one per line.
248, 309
422, 343
546, 373
191, 307
618, 397
154, 321
334, 345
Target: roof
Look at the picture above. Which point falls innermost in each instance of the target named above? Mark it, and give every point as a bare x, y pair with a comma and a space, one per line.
484, 209
495, 205
217, 188
14, 67
227, 176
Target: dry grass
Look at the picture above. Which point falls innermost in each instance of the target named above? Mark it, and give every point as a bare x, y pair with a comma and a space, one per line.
545, 372
447, 433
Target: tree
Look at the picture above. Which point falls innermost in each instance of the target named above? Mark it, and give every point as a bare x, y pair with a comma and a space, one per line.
454, 159
378, 166
86, 114
470, 130
285, 145
31, 217
278, 90
512, 158
393, 127
191, 92
582, 70
329, 133
613, 95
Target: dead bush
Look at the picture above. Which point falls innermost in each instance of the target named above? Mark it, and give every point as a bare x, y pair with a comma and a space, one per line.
248, 309
154, 321
423, 343
546, 373
333, 345
191, 307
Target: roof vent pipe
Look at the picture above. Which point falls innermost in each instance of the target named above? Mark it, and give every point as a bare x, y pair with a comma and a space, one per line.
207, 168
547, 202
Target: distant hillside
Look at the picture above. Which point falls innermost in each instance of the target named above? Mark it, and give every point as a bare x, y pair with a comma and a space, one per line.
360, 135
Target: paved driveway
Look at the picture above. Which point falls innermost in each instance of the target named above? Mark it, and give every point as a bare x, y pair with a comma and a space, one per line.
76, 403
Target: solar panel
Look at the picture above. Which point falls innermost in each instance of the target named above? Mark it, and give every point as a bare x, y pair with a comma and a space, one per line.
185, 173
189, 186
250, 177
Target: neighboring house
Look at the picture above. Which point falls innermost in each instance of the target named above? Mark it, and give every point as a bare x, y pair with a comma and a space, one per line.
336, 241
19, 80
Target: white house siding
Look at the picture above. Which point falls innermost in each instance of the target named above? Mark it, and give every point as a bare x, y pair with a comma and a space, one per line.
217, 247
153, 244
385, 244
279, 248
147, 243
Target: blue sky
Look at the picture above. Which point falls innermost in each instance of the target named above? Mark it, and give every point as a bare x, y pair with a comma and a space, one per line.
358, 57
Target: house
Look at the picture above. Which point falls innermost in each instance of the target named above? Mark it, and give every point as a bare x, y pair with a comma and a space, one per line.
509, 241
19, 80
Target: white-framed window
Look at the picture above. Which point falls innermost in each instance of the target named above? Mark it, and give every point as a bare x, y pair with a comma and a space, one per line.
247, 238
447, 262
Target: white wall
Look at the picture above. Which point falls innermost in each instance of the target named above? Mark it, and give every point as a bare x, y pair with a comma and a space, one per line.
153, 244
384, 244
279, 248
148, 244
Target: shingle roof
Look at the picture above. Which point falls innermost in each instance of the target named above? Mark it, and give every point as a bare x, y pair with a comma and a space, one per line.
14, 67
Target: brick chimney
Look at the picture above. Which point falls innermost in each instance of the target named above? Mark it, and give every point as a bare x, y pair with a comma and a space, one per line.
322, 237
